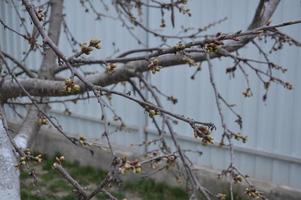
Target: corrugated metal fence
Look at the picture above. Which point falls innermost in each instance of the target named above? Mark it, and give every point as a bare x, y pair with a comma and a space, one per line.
272, 152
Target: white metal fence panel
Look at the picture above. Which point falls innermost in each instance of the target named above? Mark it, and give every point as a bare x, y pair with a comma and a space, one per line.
273, 128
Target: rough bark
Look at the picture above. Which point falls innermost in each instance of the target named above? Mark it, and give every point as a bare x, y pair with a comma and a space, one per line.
9, 174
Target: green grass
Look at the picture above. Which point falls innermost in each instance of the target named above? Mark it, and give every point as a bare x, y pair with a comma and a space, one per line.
51, 186
149, 189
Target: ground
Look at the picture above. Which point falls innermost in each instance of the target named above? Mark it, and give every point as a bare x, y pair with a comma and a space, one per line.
51, 186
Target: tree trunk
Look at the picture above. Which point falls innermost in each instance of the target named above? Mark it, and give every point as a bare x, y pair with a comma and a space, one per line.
9, 174
9, 182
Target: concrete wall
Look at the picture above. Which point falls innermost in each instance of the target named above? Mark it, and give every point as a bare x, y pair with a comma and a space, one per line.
51, 142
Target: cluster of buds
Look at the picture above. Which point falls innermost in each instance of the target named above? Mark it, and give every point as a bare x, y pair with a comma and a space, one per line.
151, 111
110, 68
155, 156
152, 154
288, 86
221, 196
239, 137
231, 70
189, 61
253, 193
87, 48
67, 112
277, 67
204, 134
28, 156
40, 15
38, 158
27, 151
23, 160
126, 166
184, 10
82, 140
154, 65
179, 47
266, 85
133, 20
95, 43
279, 40
173, 99
43, 120
170, 160
213, 47
239, 121
70, 86
155, 163
236, 176
58, 161
247, 93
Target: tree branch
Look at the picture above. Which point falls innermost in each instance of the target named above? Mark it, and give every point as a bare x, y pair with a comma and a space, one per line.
30, 125
40, 87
